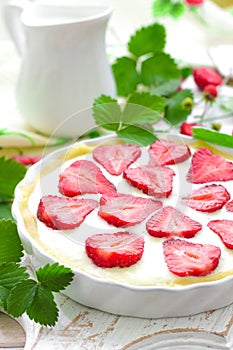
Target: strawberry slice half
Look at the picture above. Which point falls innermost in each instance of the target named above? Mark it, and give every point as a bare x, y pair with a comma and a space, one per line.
121, 249
26, 160
229, 206
167, 152
62, 213
224, 229
152, 180
116, 158
83, 176
209, 167
169, 222
208, 198
190, 259
126, 210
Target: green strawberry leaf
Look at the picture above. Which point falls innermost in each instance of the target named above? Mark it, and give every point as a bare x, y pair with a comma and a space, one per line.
143, 108
11, 274
213, 136
107, 112
179, 106
148, 39
167, 88
5, 212
11, 173
138, 135
4, 293
186, 72
21, 297
177, 10
11, 249
159, 69
43, 308
161, 8
126, 75
55, 277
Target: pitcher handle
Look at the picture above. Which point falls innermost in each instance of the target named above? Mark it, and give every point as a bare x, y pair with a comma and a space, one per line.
11, 16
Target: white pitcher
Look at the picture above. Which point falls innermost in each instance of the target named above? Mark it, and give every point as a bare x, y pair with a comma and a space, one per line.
64, 63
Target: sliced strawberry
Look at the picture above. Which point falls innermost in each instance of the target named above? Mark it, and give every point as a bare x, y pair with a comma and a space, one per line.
169, 222
126, 210
167, 152
26, 160
209, 167
223, 228
229, 206
121, 249
62, 213
83, 176
190, 259
116, 158
208, 198
152, 180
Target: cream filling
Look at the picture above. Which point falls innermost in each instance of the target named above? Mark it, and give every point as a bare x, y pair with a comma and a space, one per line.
68, 246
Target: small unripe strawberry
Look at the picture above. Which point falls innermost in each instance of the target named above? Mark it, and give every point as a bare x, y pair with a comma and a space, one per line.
194, 2
187, 104
216, 126
206, 76
210, 92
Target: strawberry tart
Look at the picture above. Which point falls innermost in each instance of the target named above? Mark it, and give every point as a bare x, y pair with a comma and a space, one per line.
139, 217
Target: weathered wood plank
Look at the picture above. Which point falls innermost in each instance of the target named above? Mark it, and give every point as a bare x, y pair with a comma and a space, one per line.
11, 333
80, 327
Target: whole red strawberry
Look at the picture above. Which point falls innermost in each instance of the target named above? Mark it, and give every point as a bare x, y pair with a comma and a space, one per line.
194, 2
210, 92
206, 76
186, 128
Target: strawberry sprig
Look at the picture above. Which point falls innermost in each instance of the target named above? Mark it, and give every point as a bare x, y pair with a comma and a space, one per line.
147, 82
175, 9
35, 293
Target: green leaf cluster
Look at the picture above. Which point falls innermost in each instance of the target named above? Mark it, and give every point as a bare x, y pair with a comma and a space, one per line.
147, 65
162, 8
18, 292
132, 121
147, 81
11, 173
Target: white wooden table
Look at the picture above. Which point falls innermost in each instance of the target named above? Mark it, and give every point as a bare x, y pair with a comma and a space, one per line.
82, 328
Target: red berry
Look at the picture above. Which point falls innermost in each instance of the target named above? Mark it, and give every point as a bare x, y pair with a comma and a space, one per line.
83, 176
224, 229
206, 76
121, 249
116, 158
186, 128
194, 2
208, 198
153, 180
210, 92
209, 167
62, 213
163, 152
26, 160
190, 259
126, 210
170, 221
